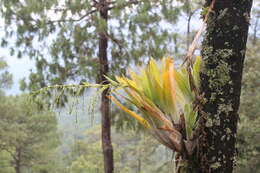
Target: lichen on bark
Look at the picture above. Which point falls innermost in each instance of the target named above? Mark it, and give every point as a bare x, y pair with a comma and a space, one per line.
223, 53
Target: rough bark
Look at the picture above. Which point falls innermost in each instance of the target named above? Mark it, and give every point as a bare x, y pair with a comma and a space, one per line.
223, 53
105, 103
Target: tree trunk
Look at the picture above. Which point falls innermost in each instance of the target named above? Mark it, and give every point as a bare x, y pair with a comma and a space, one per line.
223, 54
17, 161
17, 169
105, 103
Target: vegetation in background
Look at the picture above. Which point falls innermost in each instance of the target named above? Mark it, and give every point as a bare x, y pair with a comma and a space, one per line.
62, 54
5, 76
249, 125
28, 137
132, 153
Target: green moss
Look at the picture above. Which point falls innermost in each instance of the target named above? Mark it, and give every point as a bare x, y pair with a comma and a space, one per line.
222, 13
209, 122
219, 71
216, 121
213, 97
235, 27
215, 165
225, 108
207, 52
228, 131
219, 75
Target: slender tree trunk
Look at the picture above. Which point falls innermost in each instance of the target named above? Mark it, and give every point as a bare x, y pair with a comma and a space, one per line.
17, 169
105, 103
188, 31
17, 161
223, 54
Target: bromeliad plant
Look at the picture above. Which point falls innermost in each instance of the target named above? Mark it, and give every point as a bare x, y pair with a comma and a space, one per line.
166, 99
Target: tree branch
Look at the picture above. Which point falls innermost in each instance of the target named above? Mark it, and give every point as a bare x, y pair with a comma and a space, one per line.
98, 7
73, 20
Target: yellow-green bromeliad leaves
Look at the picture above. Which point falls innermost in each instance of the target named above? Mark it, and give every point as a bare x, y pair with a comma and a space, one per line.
161, 93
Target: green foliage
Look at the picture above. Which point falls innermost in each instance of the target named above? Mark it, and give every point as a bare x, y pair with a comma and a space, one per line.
133, 153
61, 36
5, 76
63, 42
166, 97
249, 125
5, 166
89, 160
28, 137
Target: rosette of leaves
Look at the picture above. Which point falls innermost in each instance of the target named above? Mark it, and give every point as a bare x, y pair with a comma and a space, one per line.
165, 98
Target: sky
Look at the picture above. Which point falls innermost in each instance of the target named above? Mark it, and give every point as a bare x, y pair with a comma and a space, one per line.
20, 68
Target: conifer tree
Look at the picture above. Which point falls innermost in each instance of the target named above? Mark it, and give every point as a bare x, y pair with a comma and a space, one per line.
65, 38
24, 132
65, 48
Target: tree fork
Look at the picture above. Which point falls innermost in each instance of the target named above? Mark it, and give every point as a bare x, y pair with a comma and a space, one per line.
105, 103
223, 53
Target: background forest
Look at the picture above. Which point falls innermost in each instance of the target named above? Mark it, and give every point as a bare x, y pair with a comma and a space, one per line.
61, 39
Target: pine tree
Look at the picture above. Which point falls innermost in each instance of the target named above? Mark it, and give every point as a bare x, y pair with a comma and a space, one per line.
65, 37
24, 131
